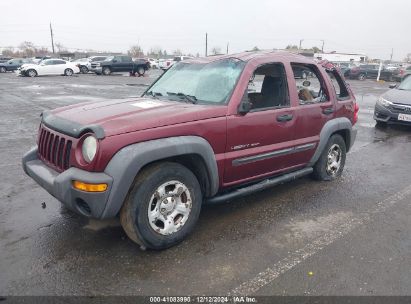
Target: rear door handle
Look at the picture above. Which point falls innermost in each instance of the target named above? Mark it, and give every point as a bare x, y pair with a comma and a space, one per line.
286, 117
328, 111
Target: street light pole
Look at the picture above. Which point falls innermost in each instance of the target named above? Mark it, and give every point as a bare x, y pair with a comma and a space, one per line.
301, 41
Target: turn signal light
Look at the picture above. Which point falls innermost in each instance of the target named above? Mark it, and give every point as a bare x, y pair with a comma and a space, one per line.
89, 187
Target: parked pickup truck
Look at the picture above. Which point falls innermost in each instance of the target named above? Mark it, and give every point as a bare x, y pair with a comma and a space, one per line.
209, 130
120, 63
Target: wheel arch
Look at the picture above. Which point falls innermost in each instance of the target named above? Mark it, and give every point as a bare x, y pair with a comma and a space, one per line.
341, 126
193, 152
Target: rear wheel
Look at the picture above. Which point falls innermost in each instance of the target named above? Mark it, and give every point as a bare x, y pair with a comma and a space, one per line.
68, 72
31, 73
162, 207
361, 77
332, 160
3, 70
106, 71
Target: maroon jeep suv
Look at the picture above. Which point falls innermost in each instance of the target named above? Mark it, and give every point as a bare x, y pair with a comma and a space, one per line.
207, 131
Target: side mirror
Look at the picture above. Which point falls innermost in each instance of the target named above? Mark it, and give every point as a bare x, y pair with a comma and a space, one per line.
392, 86
245, 107
306, 83
114, 60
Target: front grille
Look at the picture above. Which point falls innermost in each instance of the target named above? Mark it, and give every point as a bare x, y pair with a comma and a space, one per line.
399, 108
54, 149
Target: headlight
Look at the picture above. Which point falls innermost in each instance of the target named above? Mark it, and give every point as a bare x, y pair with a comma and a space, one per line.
89, 148
384, 102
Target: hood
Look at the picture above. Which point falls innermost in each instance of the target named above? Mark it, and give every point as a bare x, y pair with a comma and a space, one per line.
128, 115
28, 65
398, 96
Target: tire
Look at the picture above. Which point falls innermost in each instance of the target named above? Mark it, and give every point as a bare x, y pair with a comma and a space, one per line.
106, 71
83, 69
362, 77
141, 71
68, 72
150, 205
3, 70
333, 153
31, 73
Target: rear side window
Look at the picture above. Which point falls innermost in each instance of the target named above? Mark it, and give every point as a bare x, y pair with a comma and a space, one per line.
339, 85
310, 85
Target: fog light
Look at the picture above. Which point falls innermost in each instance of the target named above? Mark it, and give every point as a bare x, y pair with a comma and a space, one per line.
89, 187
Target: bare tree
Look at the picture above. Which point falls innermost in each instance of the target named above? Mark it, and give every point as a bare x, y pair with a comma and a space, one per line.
27, 48
216, 50
178, 52
60, 47
8, 52
136, 51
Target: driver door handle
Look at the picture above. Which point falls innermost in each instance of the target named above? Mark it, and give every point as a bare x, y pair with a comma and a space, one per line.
286, 117
328, 111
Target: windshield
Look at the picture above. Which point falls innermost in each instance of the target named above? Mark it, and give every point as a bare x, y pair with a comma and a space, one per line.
405, 84
109, 58
210, 83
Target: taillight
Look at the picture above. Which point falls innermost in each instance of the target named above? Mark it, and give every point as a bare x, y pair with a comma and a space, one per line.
356, 110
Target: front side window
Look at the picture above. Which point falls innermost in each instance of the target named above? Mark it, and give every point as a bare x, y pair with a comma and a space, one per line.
268, 87
309, 84
208, 83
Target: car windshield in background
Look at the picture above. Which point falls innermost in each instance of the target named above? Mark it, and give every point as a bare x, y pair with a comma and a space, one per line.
209, 83
405, 84
109, 58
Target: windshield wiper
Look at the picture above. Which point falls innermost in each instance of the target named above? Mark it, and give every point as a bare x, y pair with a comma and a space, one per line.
154, 94
189, 98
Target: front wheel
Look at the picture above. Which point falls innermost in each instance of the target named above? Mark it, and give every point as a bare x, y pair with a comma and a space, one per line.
31, 73
106, 71
68, 72
331, 163
361, 77
84, 69
140, 71
162, 207
3, 70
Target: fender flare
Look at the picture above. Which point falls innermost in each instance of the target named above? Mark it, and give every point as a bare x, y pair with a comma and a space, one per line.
330, 127
128, 162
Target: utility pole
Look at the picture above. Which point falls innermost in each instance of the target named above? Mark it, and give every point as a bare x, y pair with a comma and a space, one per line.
206, 45
301, 41
52, 39
392, 54
227, 48
322, 47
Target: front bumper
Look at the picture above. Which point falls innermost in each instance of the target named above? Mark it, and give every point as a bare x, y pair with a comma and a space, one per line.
97, 69
59, 185
387, 115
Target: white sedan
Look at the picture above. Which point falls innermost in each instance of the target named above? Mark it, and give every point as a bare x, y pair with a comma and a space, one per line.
49, 67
